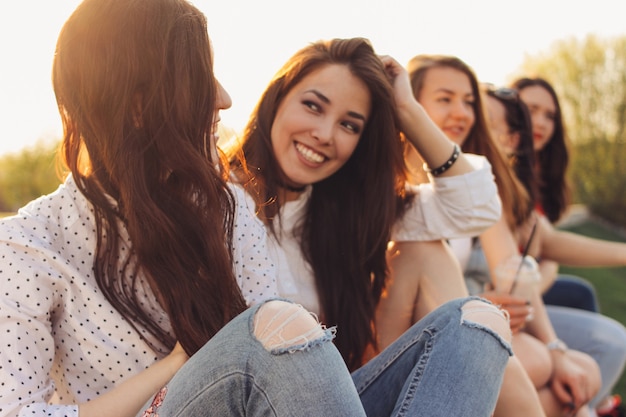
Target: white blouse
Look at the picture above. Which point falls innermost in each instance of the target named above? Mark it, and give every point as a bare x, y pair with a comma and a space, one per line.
447, 207
62, 342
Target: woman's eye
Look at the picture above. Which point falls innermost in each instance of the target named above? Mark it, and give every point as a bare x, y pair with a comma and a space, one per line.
352, 127
312, 105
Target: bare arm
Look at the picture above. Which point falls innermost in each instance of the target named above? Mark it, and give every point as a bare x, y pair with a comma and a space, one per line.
569, 381
499, 244
432, 144
127, 398
572, 249
549, 271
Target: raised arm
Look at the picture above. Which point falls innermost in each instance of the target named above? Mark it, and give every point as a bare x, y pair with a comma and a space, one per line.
432, 144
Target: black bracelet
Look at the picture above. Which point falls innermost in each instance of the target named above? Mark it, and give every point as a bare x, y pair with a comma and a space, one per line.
446, 165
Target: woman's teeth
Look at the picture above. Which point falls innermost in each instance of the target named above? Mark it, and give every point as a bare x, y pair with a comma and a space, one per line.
309, 154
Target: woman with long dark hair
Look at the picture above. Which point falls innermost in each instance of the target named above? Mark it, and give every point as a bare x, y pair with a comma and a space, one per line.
601, 337
324, 167
450, 93
131, 282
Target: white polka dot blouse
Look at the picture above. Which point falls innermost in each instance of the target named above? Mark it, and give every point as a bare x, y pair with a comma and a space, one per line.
61, 341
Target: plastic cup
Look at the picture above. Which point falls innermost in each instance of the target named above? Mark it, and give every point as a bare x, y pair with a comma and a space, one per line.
517, 277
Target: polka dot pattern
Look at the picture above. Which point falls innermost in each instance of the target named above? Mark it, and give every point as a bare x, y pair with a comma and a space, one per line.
61, 341
254, 269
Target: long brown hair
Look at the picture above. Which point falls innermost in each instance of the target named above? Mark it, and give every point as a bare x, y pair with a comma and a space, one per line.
348, 220
515, 201
135, 88
518, 121
553, 159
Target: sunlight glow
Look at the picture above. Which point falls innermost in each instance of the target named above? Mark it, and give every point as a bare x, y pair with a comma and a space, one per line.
252, 39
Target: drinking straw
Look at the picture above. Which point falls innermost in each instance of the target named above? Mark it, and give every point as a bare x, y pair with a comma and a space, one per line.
519, 268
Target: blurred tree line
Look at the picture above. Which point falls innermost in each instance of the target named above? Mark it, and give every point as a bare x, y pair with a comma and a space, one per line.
27, 174
589, 76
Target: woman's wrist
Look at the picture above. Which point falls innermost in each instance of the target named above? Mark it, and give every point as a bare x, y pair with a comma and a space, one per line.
557, 345
456, 152
175, 360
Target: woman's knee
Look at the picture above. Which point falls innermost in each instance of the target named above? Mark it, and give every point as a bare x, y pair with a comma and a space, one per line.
488, 315
534, 357
283, 325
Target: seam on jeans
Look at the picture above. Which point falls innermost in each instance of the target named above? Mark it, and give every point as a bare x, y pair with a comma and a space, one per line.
417, 374
430, 331
182, 411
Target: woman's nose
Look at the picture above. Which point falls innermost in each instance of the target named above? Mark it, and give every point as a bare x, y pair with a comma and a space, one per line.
324, 132
223, 98
461, 109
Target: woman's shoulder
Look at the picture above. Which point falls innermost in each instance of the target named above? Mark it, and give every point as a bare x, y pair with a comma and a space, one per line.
46, 220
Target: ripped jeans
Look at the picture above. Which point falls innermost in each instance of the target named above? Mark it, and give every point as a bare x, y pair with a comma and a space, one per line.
445, 365
278, 361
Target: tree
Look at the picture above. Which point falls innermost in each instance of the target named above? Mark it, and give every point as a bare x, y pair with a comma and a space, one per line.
27, 175
589, 76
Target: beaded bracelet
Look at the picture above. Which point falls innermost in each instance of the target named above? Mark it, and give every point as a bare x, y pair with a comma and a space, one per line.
446, 165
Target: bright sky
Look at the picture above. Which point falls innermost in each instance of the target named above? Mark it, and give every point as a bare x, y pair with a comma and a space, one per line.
252, 39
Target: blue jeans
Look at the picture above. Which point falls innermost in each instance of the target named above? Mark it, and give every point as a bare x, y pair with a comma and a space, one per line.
601, 337
572, 291
442, 366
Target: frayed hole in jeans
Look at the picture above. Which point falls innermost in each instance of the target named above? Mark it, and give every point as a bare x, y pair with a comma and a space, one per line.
280, 325
488, 315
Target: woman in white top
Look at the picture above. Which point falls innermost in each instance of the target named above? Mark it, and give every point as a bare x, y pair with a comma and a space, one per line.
324, 168
565, 379
120, 287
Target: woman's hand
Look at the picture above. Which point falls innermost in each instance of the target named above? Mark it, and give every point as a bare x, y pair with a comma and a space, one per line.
518, 308
575, 380
177, 357
427, 138
399, 78
127, 398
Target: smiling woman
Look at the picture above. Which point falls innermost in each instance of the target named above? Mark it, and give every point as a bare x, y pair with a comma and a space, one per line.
324, 169
93, 274
334, 125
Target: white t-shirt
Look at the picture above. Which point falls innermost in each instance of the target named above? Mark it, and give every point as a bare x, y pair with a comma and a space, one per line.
448, 207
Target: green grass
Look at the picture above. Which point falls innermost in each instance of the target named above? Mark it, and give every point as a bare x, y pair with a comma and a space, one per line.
610, 283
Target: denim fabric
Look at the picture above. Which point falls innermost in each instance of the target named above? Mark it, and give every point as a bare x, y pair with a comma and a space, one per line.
234, 375
442, 366
601, 337
572, 291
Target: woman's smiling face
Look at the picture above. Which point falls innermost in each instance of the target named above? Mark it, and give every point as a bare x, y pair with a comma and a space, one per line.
319, 123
